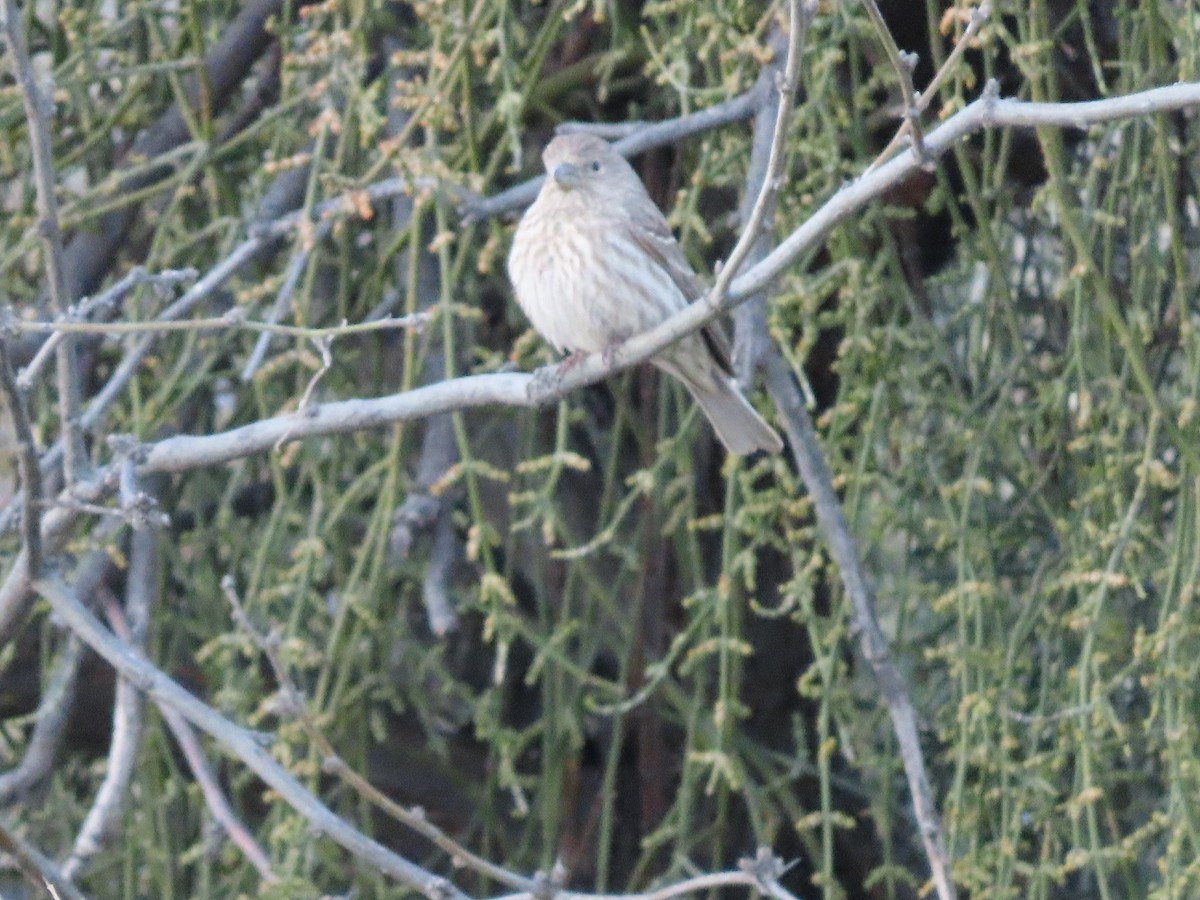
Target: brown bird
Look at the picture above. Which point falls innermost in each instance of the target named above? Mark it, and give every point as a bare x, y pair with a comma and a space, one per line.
594, 262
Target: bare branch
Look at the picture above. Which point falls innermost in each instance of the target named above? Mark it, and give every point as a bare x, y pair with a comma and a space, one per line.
810, 461
232, 321
549, 384
764, 203
333, 763
975, 20
50, 720
214, 798
210, 788
27, 464
239, 742
761, 873
16, 590
102, 819
751, 342
754, 348
58, 692
38, 869
903, 65
38, 110
79, 313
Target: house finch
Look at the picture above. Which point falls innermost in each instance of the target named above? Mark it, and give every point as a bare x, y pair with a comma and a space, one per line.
593, 263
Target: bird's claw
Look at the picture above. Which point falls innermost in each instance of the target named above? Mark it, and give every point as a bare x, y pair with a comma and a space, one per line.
570, 361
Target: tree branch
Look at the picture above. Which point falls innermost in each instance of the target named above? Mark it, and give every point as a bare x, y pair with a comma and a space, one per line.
241, 743
806, 450
549, 384
141, 592
38, 109
27, 465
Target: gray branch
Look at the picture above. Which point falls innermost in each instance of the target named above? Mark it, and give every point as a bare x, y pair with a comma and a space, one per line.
239, 742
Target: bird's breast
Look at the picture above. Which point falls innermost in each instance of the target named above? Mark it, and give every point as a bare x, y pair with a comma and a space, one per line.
584, 282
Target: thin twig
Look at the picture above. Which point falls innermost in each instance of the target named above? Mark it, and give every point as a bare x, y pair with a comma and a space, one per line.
231, 321
975, 20
750, 338
210, 788
323, 346
761, 873
80, 311
799, 15
214, 797
903, 65
27, 464
38, 109
283, 300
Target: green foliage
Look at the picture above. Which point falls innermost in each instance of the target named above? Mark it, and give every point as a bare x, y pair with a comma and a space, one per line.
654, 671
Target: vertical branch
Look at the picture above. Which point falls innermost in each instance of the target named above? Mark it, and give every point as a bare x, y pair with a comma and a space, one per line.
799, 14
27, 465
777, 85
140, 593
38, 109
754, 348
903, 64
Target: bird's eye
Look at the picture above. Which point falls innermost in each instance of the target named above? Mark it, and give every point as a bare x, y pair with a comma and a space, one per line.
595, 165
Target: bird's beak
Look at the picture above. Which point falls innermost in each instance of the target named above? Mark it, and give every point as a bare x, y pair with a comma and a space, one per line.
566, 175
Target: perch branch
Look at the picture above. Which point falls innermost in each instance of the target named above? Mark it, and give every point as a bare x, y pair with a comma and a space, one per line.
547, 385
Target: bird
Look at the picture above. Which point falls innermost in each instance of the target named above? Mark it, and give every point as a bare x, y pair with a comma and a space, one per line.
594, 262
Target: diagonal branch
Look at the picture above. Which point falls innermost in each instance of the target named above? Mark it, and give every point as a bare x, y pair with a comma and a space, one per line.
27, 463
238, 741
902, 64
806, 450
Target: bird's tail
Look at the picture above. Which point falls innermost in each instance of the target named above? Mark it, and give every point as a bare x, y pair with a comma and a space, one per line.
741, 429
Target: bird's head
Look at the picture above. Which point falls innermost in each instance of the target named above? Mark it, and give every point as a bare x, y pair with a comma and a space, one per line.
581, 162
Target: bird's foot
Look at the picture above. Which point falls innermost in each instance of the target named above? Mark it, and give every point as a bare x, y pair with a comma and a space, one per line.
569, 362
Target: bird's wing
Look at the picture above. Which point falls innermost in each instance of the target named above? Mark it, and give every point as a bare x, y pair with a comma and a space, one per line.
654, 237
